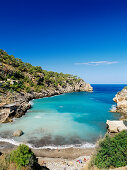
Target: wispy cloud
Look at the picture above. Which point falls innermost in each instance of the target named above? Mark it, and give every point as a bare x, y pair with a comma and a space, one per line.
96, 63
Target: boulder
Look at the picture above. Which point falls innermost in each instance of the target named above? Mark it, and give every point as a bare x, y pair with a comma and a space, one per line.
115, 126
18, 133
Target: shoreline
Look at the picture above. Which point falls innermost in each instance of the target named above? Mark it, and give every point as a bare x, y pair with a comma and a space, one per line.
67, 153
40, 96
66, 158
86, 145
18, 108
7, 145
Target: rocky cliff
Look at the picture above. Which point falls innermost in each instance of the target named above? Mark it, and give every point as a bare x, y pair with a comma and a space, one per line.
21, 104
21, 82
121, 100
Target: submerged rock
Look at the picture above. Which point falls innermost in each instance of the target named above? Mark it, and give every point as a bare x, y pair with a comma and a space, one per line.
115, 126
18, 133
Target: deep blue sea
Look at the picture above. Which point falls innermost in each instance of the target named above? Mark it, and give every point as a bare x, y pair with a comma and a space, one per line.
71, 119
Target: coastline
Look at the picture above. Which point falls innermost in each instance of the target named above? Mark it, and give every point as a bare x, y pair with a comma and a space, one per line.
121, 104
57, 158
7, 145
21, 103
29, 99
66, 153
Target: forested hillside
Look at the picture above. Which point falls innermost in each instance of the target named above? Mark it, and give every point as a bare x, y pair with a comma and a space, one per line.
19, 76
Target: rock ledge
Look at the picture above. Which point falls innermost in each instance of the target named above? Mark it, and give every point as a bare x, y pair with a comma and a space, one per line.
115, 126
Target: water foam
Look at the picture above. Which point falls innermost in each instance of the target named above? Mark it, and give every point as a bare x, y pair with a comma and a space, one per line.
13, 142
31, 102
37, 117
113, 108
83, 146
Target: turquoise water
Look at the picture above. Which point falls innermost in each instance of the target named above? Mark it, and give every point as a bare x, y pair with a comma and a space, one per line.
68, 119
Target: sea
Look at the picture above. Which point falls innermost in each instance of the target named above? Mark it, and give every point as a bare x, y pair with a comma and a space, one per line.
75, 119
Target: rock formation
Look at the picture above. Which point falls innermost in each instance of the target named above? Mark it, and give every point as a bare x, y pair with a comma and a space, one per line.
121, 100
21, 82
18, 133
21, 102
115, 126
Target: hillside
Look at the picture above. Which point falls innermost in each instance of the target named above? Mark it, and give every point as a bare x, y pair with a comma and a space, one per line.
19, 76
20, 82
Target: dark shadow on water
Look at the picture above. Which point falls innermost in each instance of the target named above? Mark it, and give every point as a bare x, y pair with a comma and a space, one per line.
6, 134
57, 141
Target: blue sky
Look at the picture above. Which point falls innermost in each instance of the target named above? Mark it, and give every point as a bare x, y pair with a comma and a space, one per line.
87, 38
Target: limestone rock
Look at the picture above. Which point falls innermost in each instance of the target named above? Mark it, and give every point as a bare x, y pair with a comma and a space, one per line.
115, 126
18, 133
121, 100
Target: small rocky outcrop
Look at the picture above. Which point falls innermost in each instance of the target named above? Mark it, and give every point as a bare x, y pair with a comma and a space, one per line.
121, 100
115, 126
9, 111
18, 133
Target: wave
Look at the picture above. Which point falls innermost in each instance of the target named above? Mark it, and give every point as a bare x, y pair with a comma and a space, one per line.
31, 102
37, 117
13, 142
113, 108
83, 146
14, 119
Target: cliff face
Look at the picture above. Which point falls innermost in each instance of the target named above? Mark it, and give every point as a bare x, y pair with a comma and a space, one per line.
121, 100
21, 104
21, 82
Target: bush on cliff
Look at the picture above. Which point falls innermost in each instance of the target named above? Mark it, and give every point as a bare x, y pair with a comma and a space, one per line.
22, 157
112, 152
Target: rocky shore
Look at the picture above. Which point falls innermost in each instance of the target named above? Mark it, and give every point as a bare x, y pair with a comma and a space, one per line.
121, 100
20, 101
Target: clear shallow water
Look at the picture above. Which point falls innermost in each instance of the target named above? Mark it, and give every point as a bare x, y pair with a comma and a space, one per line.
68, 119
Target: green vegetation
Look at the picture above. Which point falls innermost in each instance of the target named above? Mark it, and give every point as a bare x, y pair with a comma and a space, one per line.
23, 77
21, 158
112, 152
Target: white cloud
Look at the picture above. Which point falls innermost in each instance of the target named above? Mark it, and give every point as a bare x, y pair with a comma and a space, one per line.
96, 63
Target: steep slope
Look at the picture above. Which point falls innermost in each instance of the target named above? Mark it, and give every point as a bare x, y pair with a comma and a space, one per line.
20, 82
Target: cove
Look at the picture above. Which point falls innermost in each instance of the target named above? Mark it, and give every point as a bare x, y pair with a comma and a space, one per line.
71, 119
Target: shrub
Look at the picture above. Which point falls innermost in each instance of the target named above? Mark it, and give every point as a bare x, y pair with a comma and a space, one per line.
112, 151
28, 89
23, 156
3, 163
